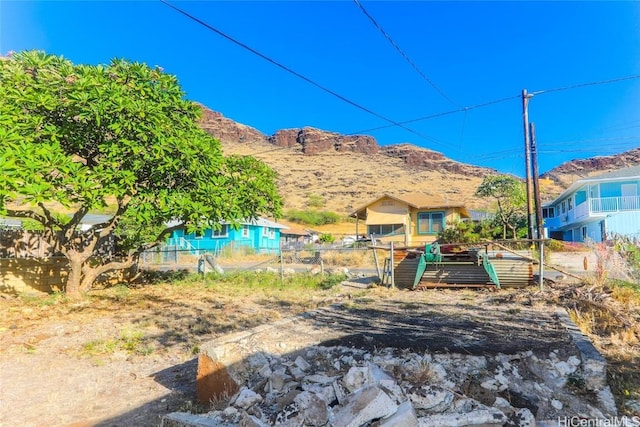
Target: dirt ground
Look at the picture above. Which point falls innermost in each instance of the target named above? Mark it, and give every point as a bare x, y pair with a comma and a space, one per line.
126, 357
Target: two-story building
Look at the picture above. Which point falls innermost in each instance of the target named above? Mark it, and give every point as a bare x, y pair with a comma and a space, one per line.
409, 219
596, 208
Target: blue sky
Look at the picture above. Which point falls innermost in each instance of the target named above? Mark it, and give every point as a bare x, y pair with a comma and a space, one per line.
462, 54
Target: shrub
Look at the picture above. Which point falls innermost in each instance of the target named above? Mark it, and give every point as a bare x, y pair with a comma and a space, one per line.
326, 238
312, 217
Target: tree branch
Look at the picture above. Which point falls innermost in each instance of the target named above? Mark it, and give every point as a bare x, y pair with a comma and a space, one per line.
50, 219
69, 229
27, 214
158, 239
113, 265
107, 228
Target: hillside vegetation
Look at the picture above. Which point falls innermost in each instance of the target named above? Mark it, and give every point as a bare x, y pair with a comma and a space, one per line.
332, 172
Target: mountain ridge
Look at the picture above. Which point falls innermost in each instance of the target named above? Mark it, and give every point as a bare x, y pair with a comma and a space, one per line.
347, 171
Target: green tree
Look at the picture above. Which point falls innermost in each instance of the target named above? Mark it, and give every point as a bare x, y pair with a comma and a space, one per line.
119, 137
510, 196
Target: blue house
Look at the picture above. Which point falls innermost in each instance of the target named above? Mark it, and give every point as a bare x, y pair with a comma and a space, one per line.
596, 208
261, 235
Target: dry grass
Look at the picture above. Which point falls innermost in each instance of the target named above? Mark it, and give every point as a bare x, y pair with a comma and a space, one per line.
610, 317
348, 258
174, 316
346, 181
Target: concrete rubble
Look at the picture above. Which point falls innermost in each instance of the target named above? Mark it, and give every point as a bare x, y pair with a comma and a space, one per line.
349, 387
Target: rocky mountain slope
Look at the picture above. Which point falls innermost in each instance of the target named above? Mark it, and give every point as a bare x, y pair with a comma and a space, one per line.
568, 172
347, 171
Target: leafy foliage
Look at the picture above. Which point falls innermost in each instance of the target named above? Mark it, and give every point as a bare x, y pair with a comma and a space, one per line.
510, 196
315, 201
326, 238
312, 217
117, 136
462, 232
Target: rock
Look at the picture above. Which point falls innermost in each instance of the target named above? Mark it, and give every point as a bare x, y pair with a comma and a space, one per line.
405, 416
327, 386
340, 391
607, 402
634, 405
324, 391
213, 381
422, 157
301, 363
480, 417
522, 418
503, 405
320, 379
520, 400
246, 398
183, 419
251, 421
556, 404
432, 399
277, 381
227, 130
364, 405
314, 409
355, 378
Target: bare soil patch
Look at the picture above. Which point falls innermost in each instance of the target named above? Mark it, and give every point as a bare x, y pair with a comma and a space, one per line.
126, 357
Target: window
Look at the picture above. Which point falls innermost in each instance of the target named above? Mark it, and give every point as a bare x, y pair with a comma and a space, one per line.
220, 233
564, 206
430, 222
385, 229
199, 234
570, 202
548, 213
584, 233
265, 231
245, 231
272, 234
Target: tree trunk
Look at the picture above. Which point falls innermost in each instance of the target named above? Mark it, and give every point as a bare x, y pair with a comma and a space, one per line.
74, 278
88, 278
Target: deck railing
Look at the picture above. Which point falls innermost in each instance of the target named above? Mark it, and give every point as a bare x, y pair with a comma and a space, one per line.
615, 204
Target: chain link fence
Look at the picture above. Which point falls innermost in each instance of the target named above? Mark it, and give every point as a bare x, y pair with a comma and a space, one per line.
291, 258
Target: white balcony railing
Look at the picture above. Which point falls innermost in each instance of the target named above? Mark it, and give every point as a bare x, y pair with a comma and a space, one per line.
615, 204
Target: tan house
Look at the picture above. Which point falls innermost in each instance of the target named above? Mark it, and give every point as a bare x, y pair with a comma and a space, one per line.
410, 219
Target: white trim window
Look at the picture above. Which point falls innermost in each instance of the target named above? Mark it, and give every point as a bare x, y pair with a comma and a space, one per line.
245, 231
431, 222
223, 232
265, 231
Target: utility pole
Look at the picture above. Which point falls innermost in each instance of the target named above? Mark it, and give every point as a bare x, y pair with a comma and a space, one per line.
527, 159
536, 182
538, 203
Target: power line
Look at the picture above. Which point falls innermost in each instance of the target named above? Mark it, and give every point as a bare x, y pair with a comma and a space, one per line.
402, 53
579, 85
295, 73
446, 113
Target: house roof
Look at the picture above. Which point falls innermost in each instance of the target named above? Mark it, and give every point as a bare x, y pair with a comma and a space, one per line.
630, 172
293, 231
623, 174
414, 200
260, 222
263, 222
10, 222
92, 219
